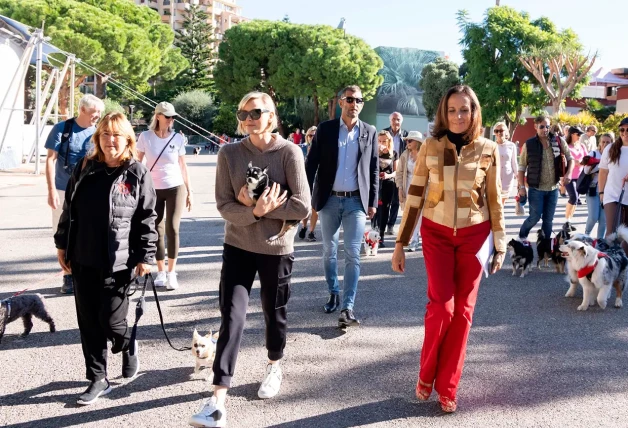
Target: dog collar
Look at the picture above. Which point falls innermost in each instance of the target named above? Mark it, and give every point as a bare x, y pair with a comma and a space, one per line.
369, 242
588, 270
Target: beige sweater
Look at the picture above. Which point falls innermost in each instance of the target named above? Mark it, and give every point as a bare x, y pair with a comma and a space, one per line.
285, 166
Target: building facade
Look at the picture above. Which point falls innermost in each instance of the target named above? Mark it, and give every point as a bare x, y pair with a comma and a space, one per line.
223, 14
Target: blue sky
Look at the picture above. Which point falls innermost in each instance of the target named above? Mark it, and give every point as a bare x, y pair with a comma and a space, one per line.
432, 24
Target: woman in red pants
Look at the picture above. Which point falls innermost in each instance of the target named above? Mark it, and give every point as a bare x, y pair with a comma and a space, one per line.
462, 207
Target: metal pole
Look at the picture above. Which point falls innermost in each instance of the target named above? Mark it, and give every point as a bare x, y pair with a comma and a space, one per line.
71, 83
40, 51
131, 107
44, 93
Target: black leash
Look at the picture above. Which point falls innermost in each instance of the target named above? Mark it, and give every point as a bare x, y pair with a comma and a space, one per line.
139, 311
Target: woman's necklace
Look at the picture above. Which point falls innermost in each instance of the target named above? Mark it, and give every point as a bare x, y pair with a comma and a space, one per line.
110, 173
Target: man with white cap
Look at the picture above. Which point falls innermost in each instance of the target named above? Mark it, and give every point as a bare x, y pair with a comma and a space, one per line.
405, 169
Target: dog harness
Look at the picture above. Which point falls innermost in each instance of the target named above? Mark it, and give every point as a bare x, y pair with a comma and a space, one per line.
370, 242
588, 270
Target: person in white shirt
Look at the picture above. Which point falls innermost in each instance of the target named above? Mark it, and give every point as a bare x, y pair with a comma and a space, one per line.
164, 150
508, 157
591, 167
612, 180
588, 138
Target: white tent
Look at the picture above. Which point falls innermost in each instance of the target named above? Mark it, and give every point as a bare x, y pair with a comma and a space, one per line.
604, 77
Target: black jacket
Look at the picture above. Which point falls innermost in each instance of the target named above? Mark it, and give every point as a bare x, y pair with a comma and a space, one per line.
534, 148
322, 162
403, 134
132, 234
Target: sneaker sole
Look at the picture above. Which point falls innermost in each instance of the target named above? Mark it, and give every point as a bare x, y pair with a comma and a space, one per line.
202, 422
92, 401
266, 397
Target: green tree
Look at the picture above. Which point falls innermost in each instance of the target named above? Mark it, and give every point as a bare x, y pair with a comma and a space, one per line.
196, 106
436, 78
294, 60
196, 40
112, 106
491, 51
117, 37
225, 121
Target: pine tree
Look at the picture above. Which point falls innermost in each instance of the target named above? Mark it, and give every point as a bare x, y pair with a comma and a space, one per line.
196, 40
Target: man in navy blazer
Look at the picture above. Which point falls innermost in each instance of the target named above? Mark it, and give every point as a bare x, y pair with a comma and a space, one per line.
343, 171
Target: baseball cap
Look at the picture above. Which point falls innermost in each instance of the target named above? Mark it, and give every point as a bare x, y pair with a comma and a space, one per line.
576, 130
624, 121
165, 108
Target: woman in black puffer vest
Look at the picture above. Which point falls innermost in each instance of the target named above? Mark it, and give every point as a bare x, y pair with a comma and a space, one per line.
106, 230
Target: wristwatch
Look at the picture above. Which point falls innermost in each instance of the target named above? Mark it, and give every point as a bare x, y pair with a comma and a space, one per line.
522, 187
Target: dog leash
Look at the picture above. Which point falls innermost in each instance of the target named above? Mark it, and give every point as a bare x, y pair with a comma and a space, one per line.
619, 210
139, 311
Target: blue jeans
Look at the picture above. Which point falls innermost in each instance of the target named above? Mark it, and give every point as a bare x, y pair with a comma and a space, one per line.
596, 215
349, 213
542, 205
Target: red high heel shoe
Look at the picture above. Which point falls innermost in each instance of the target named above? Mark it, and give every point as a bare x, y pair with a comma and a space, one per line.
447, 405
423, 390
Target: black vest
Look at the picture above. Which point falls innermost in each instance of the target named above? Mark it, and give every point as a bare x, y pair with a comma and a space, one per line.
534, 147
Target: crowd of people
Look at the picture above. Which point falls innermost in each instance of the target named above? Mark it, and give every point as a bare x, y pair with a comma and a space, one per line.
117, 205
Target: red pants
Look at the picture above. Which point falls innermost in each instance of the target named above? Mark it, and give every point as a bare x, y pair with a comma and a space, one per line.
453, 279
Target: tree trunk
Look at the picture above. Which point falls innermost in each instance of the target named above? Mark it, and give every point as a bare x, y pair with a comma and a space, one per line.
64, 96
316, 109
101, 86
331, 107
271, 92
557, 105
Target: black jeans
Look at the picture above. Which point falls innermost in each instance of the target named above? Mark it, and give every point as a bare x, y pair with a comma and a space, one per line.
394, 208
101, 310
236, 279
388, 192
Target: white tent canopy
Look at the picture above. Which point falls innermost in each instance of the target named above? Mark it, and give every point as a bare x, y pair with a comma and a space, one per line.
604, 77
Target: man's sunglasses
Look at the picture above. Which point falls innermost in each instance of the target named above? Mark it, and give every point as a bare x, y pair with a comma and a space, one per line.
622, 130
544, 126
254, 114
352, 100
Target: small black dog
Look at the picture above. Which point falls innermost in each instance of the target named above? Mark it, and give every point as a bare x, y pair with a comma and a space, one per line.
257, 181
24, 306
522, 255
563, 236
543, 249
197, 151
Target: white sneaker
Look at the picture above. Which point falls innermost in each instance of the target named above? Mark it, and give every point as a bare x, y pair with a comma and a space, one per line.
209, 415
173, 284
271, 383
160, 280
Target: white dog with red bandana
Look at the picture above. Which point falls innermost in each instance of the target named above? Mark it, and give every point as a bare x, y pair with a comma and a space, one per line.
371, 242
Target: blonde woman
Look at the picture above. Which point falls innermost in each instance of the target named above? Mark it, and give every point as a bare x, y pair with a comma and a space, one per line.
403, 177
164, 150
508, 157
106, 230
388, 159
247, 251
313, 219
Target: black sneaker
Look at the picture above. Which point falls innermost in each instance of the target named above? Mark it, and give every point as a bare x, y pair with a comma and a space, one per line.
302, 233
68, 285
94, 391
130, 363
311, 237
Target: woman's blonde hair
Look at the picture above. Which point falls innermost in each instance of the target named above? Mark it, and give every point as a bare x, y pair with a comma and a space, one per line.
389, 140
268, 103
154, 124
506, 130
114, 123
311, 128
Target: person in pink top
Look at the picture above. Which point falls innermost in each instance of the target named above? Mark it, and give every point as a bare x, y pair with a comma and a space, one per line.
578, 151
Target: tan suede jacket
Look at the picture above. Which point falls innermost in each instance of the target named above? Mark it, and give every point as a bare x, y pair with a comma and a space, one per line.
463, 190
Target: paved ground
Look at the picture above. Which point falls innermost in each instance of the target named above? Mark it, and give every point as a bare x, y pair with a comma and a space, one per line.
533, 360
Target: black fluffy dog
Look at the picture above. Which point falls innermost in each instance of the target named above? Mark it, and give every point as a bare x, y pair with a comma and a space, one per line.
543, 248
25, 306
563, 236
257, 181
521, 255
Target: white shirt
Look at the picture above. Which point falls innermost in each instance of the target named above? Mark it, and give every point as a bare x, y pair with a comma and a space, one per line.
616, 173
509, 167
409, 172
589, 142
167, 173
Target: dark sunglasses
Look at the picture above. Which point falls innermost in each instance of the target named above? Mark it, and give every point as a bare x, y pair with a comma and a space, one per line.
498, 131
254, 114
352, 100
544, 126
310, 135
622, 130
168, 117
